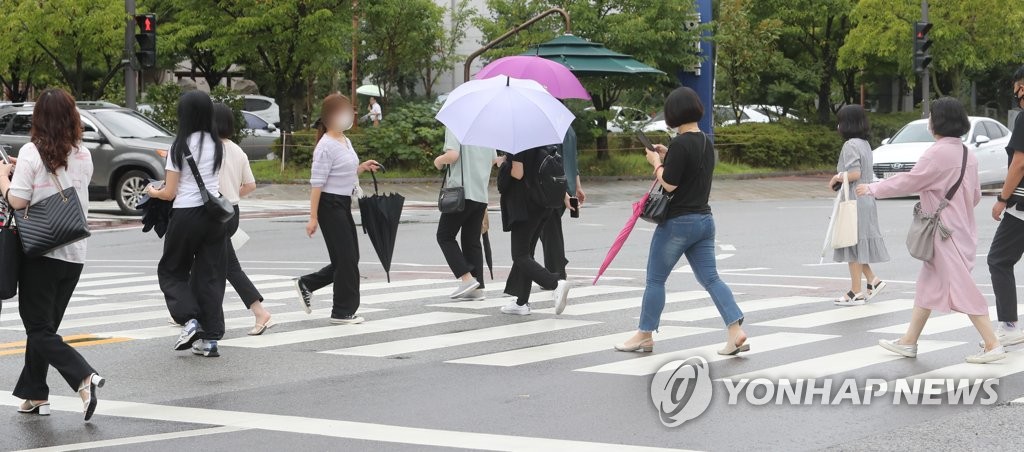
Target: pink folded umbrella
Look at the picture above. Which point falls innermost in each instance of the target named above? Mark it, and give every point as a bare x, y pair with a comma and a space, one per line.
556, 78
638, 208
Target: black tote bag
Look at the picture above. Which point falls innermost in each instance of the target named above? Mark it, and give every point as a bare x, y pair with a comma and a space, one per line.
10, 259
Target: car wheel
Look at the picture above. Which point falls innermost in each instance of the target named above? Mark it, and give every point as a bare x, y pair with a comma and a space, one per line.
129, 190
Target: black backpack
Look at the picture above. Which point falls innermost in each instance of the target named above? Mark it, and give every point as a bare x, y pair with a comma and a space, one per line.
549, 186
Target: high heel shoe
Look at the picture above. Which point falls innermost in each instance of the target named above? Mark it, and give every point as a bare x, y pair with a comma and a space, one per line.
42, 408
645, 346
89, 388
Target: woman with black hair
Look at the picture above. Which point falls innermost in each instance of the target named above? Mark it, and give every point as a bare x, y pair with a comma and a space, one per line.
945, 283
54, 158
236, 181
685, 169
856, 165
192, 270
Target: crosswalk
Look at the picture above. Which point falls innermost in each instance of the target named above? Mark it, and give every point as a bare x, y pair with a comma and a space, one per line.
799, 336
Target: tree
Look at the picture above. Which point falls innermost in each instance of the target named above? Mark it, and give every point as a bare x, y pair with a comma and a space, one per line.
77, 42
649, 30
446, 44
813, 32
282, 43
744, 49
969, 38
400, 36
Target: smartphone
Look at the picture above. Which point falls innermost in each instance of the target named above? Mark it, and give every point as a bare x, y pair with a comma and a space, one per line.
574, 207
645, 141
3, 153
836, 186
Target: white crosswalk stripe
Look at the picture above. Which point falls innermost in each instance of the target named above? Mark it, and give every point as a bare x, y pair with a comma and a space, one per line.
416, 317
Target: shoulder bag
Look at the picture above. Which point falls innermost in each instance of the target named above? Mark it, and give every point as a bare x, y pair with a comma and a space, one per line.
453, 199
921, 238
844, 228
656, 206
219, 208
53, 222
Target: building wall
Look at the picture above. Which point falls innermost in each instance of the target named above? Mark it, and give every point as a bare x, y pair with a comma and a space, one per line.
453, 78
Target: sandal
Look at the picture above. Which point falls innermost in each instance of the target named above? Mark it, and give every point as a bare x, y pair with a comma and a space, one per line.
261, 328
875, 288
29, 407
850, 299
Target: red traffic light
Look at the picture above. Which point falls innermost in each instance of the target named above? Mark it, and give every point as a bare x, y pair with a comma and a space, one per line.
146, 22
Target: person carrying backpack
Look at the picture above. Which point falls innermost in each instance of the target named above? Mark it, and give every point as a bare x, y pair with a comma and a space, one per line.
532, 184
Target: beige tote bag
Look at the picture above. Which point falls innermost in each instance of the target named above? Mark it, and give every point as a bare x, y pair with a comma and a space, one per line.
844, 229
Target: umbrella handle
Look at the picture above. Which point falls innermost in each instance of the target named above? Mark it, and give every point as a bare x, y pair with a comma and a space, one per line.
374, 176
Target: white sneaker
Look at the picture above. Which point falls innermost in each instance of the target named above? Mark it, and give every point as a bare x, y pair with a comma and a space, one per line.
987, 357
1006, 334
515, 309
561, 296
474, 295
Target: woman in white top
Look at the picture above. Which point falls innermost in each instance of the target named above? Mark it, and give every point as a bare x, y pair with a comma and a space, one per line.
54, 159
236, 180
193, 268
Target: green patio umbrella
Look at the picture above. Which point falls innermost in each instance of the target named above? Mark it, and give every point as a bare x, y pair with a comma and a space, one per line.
583, 57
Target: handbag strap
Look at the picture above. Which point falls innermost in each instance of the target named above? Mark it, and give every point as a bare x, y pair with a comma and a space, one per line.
956, 186
195, 168
448, 170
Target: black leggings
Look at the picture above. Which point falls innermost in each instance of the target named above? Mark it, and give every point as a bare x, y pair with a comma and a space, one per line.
238, 279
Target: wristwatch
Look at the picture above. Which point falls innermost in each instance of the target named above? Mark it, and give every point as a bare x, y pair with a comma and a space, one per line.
1001, 199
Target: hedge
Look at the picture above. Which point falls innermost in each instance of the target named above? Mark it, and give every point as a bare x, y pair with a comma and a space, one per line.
781, 145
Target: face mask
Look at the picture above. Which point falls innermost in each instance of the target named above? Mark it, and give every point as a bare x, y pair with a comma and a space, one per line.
344, 122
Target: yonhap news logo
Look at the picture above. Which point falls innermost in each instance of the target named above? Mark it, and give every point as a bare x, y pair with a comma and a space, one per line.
682, 391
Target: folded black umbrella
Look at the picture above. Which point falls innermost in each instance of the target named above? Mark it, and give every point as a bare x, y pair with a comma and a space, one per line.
156, 214
10, 254
380, 216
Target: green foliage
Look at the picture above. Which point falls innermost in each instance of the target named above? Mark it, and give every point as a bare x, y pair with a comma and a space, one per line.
399, 34
744, 48
410, 137
163, 99
783, 145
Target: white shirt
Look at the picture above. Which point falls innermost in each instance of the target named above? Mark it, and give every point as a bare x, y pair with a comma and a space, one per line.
32, 182
375, 112
234, 172
188, 191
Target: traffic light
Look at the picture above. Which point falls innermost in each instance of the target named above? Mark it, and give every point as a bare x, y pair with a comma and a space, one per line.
146, 37
922, 58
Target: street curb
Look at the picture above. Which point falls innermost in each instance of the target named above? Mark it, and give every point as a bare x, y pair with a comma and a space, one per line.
744, 176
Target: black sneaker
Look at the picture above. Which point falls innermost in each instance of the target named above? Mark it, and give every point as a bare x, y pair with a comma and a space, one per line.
347, 320
305, 295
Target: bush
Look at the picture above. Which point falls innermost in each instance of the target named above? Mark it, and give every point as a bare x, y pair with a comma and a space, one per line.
782, 145
163, 99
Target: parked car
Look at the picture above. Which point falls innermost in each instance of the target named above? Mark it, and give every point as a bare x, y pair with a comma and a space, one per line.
259, 137
625, 119
264, 107
987, 139
127, 148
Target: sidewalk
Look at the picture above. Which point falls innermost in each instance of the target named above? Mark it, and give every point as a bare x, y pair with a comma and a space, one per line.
726, 189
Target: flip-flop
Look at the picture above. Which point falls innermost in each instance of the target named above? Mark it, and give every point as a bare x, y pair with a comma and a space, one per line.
261, 328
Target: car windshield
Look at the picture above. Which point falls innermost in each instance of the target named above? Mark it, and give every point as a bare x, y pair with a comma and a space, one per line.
129, 124
916, 133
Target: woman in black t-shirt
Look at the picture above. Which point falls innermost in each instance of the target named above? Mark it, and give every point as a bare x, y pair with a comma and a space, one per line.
684, 169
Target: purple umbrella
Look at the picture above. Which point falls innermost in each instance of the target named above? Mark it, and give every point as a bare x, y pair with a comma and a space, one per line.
556, 78
638, 208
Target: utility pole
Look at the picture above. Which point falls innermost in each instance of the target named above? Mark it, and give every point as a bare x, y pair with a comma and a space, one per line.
925, 79
355, 53
131, 77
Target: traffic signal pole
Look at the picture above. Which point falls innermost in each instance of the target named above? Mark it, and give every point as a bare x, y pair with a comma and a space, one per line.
925, 79
131, 77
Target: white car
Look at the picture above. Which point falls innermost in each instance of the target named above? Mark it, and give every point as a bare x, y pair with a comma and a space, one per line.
258, 137
264, 107
625, 119
987, 139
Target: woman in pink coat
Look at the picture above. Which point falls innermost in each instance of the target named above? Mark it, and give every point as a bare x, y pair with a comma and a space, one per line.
945, 283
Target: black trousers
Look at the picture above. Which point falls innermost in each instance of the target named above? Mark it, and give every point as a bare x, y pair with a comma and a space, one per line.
469, 259
525, 270
193, 269
45, 287
1007, 249
553, 240
238, 279
339, 231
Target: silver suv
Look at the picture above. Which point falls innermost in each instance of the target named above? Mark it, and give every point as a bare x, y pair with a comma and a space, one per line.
127, 148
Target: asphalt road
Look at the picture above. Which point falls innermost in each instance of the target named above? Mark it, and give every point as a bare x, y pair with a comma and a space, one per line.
425, 373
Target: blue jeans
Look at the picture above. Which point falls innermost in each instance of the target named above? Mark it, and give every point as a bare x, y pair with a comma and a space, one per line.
694, 236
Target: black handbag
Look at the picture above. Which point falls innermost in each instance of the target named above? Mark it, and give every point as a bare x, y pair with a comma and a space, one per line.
55, 221
656, 206
218, 208
453, 199
10, 256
